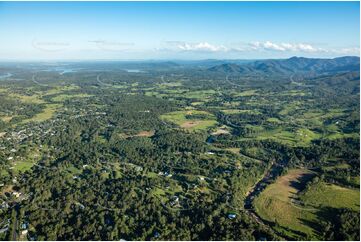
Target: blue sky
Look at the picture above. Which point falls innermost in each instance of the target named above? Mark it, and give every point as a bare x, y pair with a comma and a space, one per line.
177, 30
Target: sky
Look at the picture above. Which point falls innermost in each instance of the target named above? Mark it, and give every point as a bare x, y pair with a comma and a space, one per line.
177, 30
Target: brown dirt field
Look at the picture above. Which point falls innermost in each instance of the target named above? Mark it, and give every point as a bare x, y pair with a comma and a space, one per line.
8, 188
6, 118
190, 124
145, 133
234, 150
220, 131
291, 176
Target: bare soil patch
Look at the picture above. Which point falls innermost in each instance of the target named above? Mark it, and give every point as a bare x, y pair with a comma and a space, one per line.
145, 133
190, 124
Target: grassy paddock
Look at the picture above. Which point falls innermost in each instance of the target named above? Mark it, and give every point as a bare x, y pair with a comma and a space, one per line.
278, 203
46, 114
180, 118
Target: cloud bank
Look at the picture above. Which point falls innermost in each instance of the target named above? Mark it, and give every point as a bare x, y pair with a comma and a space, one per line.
267, 46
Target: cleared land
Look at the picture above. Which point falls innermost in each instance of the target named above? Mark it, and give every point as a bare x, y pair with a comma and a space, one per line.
330, 195
46, 113
279, 203
191, 119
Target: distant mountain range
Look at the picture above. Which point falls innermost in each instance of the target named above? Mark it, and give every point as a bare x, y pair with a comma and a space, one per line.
292, 65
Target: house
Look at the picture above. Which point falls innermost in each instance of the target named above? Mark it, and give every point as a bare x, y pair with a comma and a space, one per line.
174, 201
156, 234
80, 205
138, 168
24, 225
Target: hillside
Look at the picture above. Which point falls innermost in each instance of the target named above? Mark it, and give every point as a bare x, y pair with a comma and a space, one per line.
292, 65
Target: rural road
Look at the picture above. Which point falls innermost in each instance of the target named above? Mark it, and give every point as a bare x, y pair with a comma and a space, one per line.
38, 83
232, 83
99, 81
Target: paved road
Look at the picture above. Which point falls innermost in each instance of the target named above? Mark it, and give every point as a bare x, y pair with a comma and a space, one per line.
99, 81
232, 83
38, 83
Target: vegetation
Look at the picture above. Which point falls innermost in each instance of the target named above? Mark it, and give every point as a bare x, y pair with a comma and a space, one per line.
180, 151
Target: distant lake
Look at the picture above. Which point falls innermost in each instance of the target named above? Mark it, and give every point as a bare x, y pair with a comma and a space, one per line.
3, 76
63, 70
134, 70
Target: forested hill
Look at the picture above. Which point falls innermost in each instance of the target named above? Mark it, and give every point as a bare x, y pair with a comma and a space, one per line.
292, 65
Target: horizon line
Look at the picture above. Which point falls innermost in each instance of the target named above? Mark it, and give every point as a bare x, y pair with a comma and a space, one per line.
166, 59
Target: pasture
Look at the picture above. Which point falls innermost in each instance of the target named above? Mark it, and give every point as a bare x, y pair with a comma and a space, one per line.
296, 214
191, 119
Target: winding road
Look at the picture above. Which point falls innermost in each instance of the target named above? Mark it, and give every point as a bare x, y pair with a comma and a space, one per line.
38, 83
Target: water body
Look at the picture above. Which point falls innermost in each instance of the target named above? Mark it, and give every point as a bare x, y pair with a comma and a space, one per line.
63, 70
3, 76
134, 70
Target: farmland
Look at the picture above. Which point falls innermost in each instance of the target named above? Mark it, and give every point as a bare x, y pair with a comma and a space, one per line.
298, 214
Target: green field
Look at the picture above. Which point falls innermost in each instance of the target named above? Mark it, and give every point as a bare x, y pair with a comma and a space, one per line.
23, 165
35, 99
297, 137
278, 204
63, 97
46, 113
27, 162
330, 195
237, 111
180, 118
245, 93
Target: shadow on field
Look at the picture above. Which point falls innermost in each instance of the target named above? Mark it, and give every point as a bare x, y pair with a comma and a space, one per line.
301, 182
287, 231
324, 215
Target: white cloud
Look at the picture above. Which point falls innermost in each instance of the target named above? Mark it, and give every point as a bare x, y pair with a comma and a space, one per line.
202, 46
293, 47
347, 51
267, 46
197, 47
